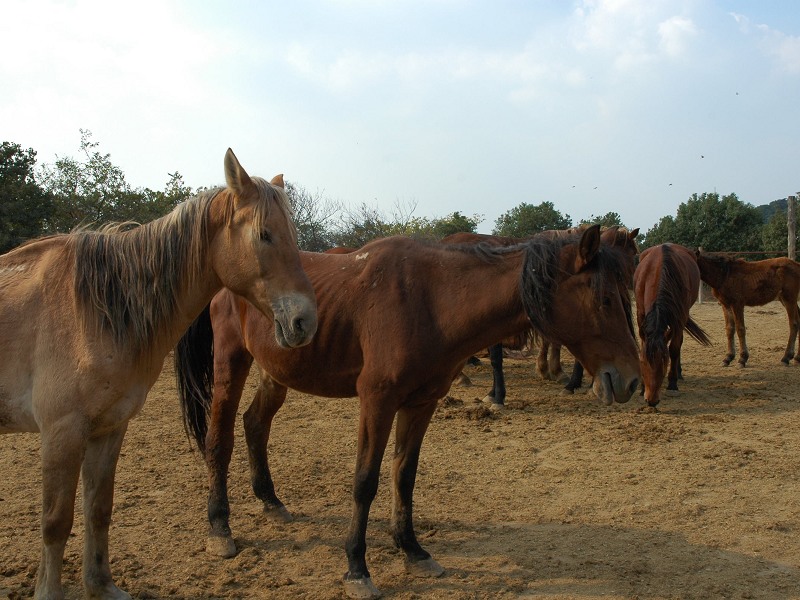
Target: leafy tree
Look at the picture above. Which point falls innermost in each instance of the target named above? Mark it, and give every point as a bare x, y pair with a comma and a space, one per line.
361, 225
716, 224
454, 223
94, 190
526, 219
312, 216
775, 234
24, 205
610, 219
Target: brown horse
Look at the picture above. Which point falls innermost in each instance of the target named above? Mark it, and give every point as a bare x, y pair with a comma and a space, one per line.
88, 318
665, 283
398, 319
737, 283
548, 359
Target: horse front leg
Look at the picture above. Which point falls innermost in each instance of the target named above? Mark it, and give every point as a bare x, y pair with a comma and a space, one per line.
98, 471
269, 398
375, 424
62, 454
497, 397
230, 373
576, 379
730, 330
412, 423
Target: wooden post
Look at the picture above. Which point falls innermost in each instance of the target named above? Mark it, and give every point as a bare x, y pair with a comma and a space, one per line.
791, 224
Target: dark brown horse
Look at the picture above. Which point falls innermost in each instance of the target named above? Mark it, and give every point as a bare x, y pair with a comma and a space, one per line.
737, 283
548, 359
397, 321
666, 283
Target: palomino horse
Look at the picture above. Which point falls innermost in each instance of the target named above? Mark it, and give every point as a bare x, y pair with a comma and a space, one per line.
737, 283
665, 283
89, 317
398, 319
548, 360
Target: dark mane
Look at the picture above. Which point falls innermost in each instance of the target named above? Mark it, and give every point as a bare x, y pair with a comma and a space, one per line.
540, 273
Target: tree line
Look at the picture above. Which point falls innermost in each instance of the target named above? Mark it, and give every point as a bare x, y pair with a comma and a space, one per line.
91, 190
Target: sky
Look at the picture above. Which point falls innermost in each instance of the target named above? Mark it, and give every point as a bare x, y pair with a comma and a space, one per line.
422, 106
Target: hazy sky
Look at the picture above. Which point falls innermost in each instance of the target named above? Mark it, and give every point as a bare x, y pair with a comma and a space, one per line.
447, 105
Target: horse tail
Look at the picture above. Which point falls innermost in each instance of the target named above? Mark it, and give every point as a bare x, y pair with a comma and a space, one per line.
697, 332
194, 372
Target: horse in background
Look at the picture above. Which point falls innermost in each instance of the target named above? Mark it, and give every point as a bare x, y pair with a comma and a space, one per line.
737, 283
88, 318
548, 359
666, 284
398, 319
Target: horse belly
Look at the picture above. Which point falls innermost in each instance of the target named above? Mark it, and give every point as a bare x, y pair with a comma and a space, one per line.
16, 412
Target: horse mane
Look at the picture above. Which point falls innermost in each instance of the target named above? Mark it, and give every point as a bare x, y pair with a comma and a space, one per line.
128, 277
665, 313
540, 271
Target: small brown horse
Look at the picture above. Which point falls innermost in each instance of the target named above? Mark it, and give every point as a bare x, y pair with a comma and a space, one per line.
665, 283
737, 283
88, 318
548, 359
398, 319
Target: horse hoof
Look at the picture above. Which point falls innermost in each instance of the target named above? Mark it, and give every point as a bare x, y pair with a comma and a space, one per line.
462, 381
424, 568
224, 547
361, 588
280, 514
567, 392
496, 407
488, 399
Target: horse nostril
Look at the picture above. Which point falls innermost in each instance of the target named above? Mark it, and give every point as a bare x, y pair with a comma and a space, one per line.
298, 324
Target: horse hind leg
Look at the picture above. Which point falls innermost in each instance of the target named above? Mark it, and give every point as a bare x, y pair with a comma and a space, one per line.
269, 398
793, 316
674, 361
554, 365
230, 373
741, 331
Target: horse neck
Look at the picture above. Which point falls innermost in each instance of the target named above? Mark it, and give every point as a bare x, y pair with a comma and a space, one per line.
152, 281
487, 300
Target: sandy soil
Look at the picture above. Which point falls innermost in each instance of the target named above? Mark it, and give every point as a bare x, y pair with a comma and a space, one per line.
556, 497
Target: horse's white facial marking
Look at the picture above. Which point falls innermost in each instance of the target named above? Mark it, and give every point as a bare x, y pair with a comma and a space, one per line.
362, 256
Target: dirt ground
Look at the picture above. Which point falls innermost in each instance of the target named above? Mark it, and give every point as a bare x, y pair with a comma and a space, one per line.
558, 497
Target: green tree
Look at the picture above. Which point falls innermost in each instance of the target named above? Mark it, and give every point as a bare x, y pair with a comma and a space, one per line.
716, 224
24, 205
361, 225
454, 223
775, 234
610, 219
93, 190
526, 219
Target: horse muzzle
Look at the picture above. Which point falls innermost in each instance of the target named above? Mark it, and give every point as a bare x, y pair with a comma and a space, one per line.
610, 386
295, 320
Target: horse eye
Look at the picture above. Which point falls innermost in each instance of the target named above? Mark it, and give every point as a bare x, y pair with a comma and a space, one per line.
265, 236
606, 301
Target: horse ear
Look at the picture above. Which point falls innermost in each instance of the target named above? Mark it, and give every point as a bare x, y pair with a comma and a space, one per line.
589, 244
236, 177
698, 252
278, 181
632, 235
